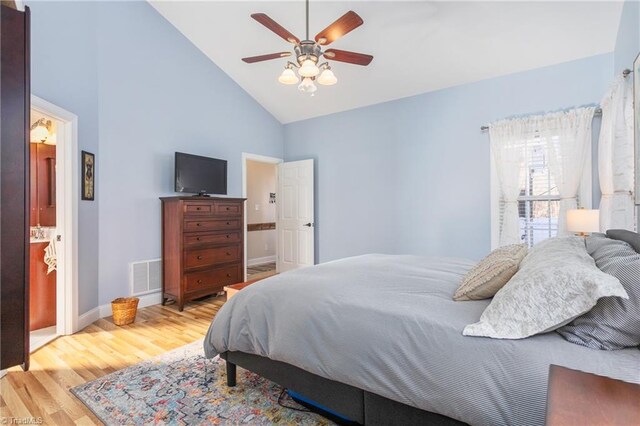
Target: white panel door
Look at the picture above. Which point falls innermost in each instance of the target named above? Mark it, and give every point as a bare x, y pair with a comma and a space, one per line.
295, 215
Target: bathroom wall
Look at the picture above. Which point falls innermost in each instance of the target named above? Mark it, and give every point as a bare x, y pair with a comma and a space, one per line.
261, 181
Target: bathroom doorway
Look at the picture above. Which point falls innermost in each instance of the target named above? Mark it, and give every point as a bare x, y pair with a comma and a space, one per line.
260, 182
42, 225
53, 223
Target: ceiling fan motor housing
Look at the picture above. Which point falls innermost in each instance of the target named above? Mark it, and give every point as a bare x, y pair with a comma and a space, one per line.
307, 49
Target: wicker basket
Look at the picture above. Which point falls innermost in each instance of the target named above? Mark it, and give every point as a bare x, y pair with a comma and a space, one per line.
124, 310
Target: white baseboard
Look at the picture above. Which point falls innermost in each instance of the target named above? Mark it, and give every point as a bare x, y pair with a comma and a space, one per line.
149, 299
261, 260
88, 318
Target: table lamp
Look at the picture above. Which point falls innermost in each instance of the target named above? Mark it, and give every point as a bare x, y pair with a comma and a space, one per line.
583, 221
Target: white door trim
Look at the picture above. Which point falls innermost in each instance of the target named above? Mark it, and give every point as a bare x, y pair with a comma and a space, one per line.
67, 159
262, 159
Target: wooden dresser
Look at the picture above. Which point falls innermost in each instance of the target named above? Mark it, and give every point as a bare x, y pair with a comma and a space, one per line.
202, 246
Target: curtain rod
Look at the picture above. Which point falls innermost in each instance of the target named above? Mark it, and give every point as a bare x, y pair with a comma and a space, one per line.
597, 112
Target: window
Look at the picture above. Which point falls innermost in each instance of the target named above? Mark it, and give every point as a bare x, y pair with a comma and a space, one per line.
539, 199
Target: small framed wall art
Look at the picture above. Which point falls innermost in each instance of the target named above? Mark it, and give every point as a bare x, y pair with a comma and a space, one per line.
88, 176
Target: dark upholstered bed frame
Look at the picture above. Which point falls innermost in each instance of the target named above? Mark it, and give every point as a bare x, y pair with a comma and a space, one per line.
359, 405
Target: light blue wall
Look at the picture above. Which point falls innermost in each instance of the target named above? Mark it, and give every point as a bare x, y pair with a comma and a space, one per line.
628, 41
142, 91
159, 94
64, 72
412, 175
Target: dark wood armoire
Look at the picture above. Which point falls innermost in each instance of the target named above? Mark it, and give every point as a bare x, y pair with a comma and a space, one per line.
14, 186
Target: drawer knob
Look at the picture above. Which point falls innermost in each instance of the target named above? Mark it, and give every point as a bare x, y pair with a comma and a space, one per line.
197, 238
197, 208
228, 236
198, 224
228, 275
199, 257
228, 254
228, 208
199, 281
228, 223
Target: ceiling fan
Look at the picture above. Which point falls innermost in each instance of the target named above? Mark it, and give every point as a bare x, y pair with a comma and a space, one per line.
308, 52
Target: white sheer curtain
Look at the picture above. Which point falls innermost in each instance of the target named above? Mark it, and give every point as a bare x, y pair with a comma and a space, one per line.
508, 147
568, 136
615, 157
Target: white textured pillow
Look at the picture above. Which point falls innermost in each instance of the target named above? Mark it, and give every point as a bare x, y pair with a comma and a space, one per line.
557, 282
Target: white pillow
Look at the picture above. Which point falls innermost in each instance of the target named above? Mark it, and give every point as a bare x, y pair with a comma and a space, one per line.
557, 282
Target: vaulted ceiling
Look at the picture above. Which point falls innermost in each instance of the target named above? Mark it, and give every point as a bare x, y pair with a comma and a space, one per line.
418, 46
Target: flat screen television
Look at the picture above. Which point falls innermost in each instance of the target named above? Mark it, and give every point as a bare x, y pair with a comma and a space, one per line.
200, 175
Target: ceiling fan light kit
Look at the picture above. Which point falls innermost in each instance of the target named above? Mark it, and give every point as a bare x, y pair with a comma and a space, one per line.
308, 52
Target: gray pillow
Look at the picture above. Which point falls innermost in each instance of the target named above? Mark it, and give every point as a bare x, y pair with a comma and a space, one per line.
633, 238
614, 323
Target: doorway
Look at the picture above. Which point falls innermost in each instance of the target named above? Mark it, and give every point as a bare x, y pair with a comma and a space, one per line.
259, 188
53, 305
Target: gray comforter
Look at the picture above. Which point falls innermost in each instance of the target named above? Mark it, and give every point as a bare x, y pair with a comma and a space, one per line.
387, 324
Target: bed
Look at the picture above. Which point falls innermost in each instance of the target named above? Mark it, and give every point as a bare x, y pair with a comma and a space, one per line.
379, 339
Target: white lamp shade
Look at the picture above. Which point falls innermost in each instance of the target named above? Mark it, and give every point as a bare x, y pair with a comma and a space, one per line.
307, 86
327, 78
39, 134
309, 69
583, 220
288, 77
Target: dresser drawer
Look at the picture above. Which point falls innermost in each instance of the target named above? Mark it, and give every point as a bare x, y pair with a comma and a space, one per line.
211, 279
219, 238
195, 209
228, 209
197, 258
191, 225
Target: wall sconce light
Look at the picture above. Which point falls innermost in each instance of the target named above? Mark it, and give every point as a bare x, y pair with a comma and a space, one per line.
41, 132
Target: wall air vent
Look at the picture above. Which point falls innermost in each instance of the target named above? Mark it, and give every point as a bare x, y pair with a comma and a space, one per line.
145, 276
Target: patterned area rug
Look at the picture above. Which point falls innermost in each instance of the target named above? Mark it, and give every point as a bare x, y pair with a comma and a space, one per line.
182, 387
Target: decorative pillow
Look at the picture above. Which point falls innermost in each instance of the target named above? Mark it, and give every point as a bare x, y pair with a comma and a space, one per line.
614, 323
632, 238
557, 282
491, 273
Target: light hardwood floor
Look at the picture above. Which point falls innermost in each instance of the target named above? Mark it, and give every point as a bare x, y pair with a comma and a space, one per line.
99, 349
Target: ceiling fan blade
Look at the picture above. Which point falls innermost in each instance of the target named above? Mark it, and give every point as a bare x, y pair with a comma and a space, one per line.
275, 27
345, 24
252, 59
349, 57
